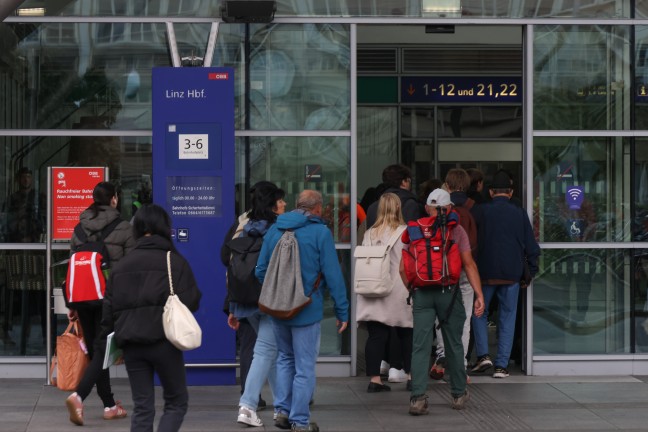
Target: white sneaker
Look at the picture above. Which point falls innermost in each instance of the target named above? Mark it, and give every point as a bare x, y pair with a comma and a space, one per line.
248, 417
384, 366
397, 376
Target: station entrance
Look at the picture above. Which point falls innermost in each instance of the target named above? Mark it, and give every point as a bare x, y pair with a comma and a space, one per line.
440, 97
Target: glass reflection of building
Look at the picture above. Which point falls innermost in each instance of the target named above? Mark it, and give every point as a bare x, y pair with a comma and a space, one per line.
320, 85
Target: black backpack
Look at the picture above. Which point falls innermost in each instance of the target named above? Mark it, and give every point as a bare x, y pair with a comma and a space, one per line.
242, 285
88, 268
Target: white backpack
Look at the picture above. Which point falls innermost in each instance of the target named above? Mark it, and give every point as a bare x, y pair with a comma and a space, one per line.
372, 277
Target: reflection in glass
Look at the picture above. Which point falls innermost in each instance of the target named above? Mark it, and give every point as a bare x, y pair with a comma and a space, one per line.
299, 75
579, 76
332, 343
22, 289
581, 190
298, 163
640, 225
480, 122
408, 8
22, 202
87, 75
641, 300
641, 76
377, 138
580, 302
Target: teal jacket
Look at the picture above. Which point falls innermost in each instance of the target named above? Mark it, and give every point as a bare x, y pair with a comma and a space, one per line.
317, 255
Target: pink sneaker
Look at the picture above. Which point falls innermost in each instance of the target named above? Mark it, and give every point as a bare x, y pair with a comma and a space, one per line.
75, 407
115, 412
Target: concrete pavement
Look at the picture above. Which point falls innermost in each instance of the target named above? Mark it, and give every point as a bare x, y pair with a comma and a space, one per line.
518, 403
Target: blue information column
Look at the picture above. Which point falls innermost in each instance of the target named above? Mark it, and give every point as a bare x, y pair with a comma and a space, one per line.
193, 179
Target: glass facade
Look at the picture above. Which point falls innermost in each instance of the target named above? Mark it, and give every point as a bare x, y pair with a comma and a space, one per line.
587, 179
357, 8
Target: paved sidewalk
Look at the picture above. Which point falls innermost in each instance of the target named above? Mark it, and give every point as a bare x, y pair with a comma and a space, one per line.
518, 403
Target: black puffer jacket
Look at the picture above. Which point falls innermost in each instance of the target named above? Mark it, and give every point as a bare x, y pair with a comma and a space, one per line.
138, 288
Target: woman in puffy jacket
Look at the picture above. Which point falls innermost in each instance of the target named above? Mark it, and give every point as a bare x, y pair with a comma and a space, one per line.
101, 213
135, 297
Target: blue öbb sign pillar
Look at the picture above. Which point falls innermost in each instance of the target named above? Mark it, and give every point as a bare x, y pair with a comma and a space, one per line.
193, 179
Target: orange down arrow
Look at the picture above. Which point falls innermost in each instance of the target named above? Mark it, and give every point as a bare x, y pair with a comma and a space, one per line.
411, 90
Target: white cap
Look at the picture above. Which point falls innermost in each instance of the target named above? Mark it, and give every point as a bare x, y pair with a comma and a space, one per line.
439, 197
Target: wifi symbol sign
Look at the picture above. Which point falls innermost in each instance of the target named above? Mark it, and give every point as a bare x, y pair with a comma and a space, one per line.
574, 197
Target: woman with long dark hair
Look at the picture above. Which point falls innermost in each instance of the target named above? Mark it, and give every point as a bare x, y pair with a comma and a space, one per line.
135, 297
258, 348
101, 213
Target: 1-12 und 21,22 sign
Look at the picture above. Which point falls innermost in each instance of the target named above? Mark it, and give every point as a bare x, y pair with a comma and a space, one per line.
461, 89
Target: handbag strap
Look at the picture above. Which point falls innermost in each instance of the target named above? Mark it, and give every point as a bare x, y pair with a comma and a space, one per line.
171, 293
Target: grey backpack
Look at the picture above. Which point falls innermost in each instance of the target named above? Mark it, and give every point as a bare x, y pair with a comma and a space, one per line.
282, 295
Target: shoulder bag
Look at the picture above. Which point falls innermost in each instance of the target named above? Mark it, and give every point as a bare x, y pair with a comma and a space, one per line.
71, 359
180, 325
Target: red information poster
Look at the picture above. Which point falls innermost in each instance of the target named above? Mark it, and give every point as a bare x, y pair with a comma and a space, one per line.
71, 194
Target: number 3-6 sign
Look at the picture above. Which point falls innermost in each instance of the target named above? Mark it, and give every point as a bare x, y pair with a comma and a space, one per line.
193, 146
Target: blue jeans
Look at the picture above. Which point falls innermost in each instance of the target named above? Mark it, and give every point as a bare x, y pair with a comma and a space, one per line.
508, 297
298, 350
264, 362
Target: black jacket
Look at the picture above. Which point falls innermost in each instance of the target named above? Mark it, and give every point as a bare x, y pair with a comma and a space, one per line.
138, 288
411, 207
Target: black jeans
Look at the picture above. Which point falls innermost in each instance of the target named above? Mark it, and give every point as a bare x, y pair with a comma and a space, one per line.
90, 319
378, 342
142, 361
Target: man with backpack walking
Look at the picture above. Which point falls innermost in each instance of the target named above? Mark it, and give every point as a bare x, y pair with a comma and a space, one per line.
298, 338
457, 182
437, 248
505, 241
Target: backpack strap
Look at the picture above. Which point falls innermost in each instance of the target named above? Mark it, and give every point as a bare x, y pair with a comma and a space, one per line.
110, 228
105, 232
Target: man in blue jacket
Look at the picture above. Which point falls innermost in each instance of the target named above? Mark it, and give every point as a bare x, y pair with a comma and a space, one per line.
505, 239
298, 339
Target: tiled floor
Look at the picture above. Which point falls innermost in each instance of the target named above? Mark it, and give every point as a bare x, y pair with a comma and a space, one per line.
518, 403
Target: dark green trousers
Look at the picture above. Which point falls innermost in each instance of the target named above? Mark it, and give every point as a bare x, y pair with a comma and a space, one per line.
428, 304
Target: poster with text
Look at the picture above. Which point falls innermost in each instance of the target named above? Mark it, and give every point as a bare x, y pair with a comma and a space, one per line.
71, 194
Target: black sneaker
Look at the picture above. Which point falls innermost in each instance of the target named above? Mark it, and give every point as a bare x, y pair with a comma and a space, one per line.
483, 364
500, 373
262, 404
377, 388
282, 421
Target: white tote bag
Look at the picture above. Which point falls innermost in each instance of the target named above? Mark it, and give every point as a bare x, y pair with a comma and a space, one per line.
180, 326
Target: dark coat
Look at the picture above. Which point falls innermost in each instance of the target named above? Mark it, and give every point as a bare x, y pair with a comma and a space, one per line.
504, 238
138, 288
411, 207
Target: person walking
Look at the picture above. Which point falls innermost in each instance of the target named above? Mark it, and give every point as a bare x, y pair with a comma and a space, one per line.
267, 203
457, 182
505, 240
101, 213
382, 314
137, 291
298, 339
397, 179
431, 302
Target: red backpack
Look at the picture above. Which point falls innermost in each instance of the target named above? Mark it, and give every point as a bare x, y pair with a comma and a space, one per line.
431, 259
85, 283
